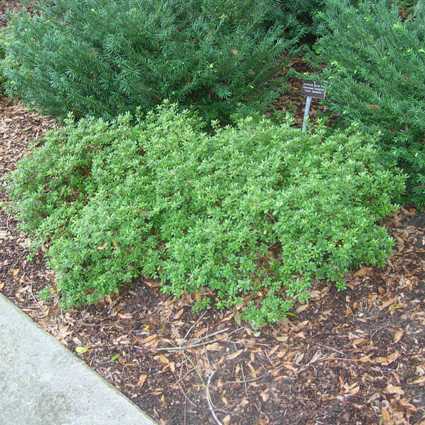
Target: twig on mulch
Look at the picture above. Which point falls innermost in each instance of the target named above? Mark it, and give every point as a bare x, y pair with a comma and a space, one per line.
210, 403
194, 325
199, 342
187, 399
331, 349
244, 380
195, 368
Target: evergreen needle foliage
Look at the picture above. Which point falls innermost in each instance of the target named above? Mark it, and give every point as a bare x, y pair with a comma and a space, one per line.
375, 75
103, 58
303, 13
2, 55
250, 215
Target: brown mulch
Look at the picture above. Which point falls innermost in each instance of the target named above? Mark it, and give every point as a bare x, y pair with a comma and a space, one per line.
353, 357
7, 6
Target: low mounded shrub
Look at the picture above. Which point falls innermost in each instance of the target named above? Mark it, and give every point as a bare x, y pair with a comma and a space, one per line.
251, 215
375, 67
102, 58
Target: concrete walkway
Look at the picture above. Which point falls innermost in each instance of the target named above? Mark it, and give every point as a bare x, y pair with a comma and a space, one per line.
42, 383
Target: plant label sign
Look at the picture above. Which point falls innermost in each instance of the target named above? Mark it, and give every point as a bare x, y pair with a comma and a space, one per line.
314, 90
311, 90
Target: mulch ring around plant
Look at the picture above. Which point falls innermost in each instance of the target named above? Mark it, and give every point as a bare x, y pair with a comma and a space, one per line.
353, 357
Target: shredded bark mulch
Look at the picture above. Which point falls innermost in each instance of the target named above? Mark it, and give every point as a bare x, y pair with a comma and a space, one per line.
7, 6
352, 357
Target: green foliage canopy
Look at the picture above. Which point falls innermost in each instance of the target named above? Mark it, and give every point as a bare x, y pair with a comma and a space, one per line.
250, 215
103, 58
2, 55
375, 67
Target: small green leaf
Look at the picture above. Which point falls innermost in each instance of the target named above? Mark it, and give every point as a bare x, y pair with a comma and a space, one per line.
81, 350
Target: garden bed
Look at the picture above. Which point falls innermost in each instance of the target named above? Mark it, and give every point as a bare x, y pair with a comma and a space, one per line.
348, 357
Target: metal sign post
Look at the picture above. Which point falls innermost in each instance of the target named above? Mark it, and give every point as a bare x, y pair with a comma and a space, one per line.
311, 90
306, 112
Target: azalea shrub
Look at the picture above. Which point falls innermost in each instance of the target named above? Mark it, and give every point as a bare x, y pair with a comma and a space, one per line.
249, 215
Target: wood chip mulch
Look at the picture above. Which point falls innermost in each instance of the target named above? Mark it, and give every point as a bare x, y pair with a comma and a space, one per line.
5, 7
355, 357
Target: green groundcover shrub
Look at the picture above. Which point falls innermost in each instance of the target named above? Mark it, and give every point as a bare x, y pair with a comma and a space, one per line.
104, 58
2, 55
251, 215
375, 75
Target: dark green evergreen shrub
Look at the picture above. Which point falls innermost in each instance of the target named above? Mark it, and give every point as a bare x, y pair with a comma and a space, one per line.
303, 14
104, 58
375, 75
2, 55
407, 7
251, 215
